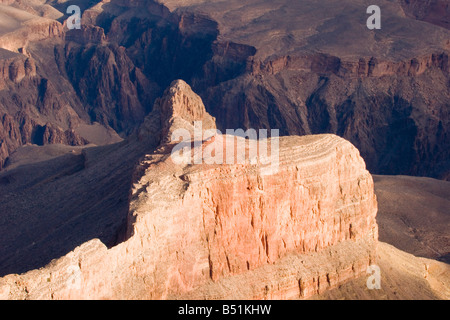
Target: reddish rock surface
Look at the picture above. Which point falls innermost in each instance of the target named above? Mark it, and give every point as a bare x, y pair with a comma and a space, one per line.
301, 67
433, 11
195, 231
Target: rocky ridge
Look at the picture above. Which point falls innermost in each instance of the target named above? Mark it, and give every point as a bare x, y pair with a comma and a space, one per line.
299, 67
194, 231
433, 11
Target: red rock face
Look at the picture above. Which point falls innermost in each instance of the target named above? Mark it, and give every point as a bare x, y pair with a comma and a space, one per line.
433, 11
214, 223
251, 219
237, 231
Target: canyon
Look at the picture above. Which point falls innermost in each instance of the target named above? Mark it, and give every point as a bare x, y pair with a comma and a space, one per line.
301, 68
195, 230
92, 205
433, 11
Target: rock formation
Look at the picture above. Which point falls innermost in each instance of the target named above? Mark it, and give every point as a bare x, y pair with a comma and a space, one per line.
214, 231
433, 11
300, 67
179, 107
413, 215
202, 231
21, 27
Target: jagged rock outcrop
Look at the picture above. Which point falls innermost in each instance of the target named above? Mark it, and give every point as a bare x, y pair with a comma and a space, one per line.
20, 130
31, 107
201, 231
23, 27
113, 90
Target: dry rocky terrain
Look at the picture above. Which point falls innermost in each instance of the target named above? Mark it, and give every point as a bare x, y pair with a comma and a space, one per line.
217, 231
197, 231
93, 207
302, 67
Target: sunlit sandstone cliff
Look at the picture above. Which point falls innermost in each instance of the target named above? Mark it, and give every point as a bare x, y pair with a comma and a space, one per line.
225, 231
305, 67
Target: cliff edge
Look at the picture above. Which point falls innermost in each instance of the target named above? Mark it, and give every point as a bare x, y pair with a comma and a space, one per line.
201, 231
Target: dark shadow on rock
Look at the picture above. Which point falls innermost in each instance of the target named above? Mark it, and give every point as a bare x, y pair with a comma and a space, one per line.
47, 209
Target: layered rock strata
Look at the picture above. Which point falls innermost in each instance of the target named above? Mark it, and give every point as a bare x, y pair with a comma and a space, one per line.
302, 67
201, 231
23, 27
